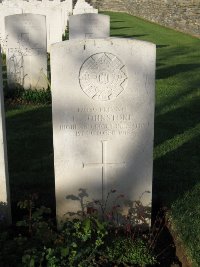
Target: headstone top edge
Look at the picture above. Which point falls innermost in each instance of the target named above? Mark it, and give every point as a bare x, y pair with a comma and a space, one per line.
25, 14
90, 14
95, 41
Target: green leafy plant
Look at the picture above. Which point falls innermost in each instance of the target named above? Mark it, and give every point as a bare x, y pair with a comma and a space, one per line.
90, 240
37, 96
129, 251
20, 95
65, 36
127, 231
76, 244
37, 220
79, 240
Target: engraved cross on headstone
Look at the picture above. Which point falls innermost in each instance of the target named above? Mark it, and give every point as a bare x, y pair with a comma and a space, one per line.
103, 164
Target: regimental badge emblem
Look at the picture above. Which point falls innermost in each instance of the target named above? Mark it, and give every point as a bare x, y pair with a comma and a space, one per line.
103, 76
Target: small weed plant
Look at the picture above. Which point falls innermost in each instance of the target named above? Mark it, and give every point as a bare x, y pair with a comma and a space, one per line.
65, 36
90, 240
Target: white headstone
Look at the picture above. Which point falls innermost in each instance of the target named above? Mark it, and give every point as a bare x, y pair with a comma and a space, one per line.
56, 25
84, 11
87, 26
6, 11
5, 211
103, 119
56, 13
82, 7
53, 22
26, 55
66, 7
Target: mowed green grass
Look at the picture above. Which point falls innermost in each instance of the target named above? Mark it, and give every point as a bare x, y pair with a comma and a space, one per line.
177, 121
177, 114
30, 154
177, 125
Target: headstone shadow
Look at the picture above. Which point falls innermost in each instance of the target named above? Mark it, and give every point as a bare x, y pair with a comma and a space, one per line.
112, 208
30, 156
170, 71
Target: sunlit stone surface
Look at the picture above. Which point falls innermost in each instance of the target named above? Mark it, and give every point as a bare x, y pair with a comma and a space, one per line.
26, 54
87, 26
103, 120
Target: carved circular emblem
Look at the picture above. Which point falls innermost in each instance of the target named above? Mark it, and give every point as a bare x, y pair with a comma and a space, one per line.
103, 76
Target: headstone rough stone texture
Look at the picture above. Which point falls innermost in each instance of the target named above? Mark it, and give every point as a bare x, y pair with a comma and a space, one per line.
26, 55
87, 26
103, 120
5, 210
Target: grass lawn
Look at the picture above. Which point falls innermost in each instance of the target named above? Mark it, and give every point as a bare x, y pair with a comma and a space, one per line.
30, 153
177, 121
177, 116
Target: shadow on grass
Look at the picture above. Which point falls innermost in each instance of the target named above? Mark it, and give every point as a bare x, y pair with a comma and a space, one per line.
30, 155
120, 28
115, 21
176, 54
161, 46
177, 146
181, 172
175, 122
173, 70
127, 35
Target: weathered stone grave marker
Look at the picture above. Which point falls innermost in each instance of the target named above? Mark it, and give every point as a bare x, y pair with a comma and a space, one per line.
67, 8
103, 119
56, 13
6, 11
4, 179
82, 7
26, 55
87, 26
54, 25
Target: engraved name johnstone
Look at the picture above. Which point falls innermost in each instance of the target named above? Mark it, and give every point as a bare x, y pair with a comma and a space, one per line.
102, 122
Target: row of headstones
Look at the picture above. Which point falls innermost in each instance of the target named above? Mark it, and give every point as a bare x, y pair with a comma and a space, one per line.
26, 36
19, 54
56, 13
103, 121
26, 46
